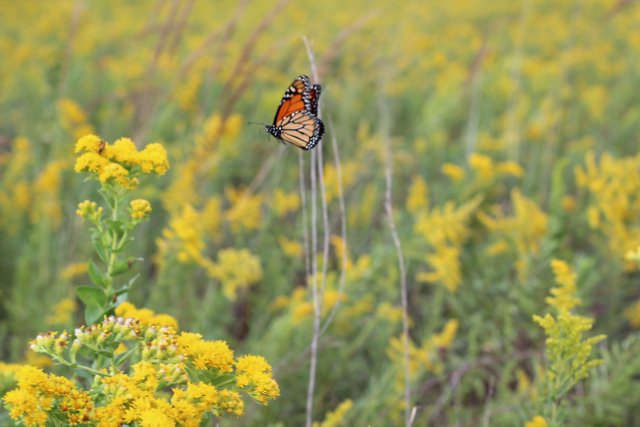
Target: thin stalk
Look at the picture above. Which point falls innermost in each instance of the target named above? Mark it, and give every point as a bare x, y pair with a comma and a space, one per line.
314, 290
318, 296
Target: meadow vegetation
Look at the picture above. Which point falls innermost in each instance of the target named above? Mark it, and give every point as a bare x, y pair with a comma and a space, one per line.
462, 248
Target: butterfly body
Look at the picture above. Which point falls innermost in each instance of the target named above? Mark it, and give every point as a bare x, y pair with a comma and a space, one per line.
296, 120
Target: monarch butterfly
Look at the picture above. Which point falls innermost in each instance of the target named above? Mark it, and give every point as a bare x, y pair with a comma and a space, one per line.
295, 121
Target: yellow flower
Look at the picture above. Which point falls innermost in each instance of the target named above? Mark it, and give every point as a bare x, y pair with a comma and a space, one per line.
36, 393
117, 173
418, 197
510, 168
454, 172
483, 166
119, 162
536, 421
445, 338
155, 417
525, 228
90, 143
153, 158
236, 269
140, 208
284, 203
563, 296
205, 354
245, 211
447, 224
191, 404
89, 210
336, 417
145, 315
254, 372
122, 151
291, 248
567, 351
497, 248
91, 162
212, 217
445, 262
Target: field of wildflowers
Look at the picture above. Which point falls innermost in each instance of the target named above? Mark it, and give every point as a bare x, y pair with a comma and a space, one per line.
462, 248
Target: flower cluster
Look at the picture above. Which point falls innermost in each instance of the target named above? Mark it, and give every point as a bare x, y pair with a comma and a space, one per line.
120, 162
132, 364
567, 351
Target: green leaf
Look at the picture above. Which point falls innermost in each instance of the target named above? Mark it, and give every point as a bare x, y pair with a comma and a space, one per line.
92, 314
101, 252
92, 296
95, 274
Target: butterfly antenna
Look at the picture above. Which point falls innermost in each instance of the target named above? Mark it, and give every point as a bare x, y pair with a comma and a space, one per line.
256, 123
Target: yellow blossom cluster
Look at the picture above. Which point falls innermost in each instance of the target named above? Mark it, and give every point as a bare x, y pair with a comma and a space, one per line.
563, 296
536, 421
145, 316
39, 393
253, 374
284, 203
140, 208
119, 162
445, 229
236, 269
568, 353
524, 229
90, 210
613, 185
178, 378
335, 418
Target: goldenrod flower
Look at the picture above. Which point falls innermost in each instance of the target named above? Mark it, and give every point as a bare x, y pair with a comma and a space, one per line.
236, 269
119, 162
565, 295
145, 315
291, 248
335, 418
445, 338
454, 172
284, 203
536, 421
418, 197
89, 210
90, 143
205, 354
254, 373
37, 393
140, 208
153, 159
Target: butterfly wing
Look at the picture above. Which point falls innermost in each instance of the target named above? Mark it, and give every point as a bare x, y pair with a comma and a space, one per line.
301, 129
313, 95
295, 98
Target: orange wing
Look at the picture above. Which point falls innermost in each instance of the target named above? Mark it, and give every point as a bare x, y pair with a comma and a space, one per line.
314, 94
301, 129
295, 98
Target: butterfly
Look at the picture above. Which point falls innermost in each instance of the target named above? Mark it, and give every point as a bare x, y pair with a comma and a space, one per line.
296, 120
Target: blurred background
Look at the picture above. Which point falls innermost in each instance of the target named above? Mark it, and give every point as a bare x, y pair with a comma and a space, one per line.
512, 127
